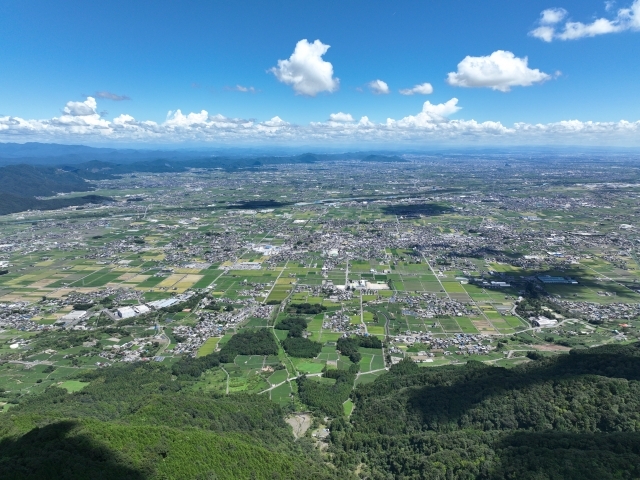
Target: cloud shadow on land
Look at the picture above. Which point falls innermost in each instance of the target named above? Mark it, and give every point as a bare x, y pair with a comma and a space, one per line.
57, 452
587, 456
416, 210
482, 252
462, 401
255, 204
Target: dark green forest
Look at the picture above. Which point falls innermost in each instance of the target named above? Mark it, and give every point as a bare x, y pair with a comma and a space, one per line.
138, 421
249, 342
306, 308
327, 399
295, 344
348, 346
301, 347
574, 416
295, 325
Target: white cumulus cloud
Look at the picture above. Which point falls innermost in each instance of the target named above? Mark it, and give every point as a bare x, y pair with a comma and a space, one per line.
78, 109
551, 16
548, 19
550, 29
422, 89
275, 122
306, 71
431, 125
543, 32
430, 115
499, 71
340, 117
379, 87
441, 110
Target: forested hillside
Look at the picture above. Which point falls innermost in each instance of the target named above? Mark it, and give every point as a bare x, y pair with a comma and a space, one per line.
139, 422
13, 203
32, 181
573, 416
21, 184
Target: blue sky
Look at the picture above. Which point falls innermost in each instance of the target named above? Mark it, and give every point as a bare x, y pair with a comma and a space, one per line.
192, 55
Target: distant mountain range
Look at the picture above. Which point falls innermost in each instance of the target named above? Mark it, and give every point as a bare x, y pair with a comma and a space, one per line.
44, 170
57, 154
40, 150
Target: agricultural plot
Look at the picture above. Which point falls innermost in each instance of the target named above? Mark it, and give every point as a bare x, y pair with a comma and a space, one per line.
278, 377
281, 394
208, 347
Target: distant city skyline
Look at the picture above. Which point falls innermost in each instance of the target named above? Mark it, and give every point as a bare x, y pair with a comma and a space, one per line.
355, 74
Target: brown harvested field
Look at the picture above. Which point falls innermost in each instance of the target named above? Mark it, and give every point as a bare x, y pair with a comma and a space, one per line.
551, 348
42, 283
461, 297
483, 326
126, 277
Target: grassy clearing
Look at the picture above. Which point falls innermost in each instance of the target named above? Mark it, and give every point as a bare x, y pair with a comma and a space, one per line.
348, 407
73, 385
208, 347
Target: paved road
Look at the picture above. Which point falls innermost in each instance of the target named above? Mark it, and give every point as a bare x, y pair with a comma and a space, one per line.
316, 375
372, 371
289, 380
227, 379
276, 280
362, 315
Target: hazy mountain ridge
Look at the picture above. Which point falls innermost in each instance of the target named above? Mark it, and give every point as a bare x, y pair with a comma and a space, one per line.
19, 183
14, 204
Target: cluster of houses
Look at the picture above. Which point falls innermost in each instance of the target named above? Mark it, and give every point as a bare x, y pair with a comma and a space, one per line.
336, 322
210, 325
18, 315
429, 305
465, 343
602, 312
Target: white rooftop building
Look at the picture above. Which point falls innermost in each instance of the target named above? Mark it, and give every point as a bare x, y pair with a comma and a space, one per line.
132, 311
543, 322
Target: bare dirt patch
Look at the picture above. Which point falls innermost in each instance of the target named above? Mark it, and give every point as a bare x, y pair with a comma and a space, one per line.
300, 423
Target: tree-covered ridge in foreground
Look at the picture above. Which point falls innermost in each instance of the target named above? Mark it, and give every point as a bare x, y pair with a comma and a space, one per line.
572, 416
139, 422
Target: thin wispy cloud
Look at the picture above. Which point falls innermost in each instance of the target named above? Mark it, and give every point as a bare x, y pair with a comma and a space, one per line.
241, 88
111, 96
